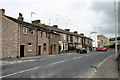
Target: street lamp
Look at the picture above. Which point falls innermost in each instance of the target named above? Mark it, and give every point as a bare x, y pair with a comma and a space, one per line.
115, 30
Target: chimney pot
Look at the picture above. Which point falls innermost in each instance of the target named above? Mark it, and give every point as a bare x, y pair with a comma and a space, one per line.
67, 29
55, 26
82, 34
20, 17
2, 11
36, 22
75, 32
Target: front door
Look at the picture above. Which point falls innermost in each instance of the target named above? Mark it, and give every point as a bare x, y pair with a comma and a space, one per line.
51, 49
39, 50
21, 50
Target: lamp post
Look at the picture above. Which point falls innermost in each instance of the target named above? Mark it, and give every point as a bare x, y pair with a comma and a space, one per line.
115, 30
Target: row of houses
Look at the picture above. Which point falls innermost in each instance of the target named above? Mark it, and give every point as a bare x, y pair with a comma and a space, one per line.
19, 38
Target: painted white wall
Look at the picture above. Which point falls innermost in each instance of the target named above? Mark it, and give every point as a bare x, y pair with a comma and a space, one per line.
94, 38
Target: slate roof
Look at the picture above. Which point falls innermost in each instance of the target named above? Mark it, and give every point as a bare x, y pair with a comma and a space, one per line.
44, 27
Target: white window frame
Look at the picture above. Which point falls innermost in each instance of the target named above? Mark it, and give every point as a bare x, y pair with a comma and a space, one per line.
29, 47
24, 31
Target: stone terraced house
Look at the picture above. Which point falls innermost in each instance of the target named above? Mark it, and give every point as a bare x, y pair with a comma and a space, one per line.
19, 38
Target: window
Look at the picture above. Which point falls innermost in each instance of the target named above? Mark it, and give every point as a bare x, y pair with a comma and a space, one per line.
29, 46
46, 34
44, 46
68, 38
98, 41
41, 33
64, 37
24, 30
102, 41
31, 31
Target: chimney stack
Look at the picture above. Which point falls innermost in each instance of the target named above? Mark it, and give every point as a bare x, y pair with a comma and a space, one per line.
2, 11
36, 22
67, 29
20, 17
82, 34
75, 32
55, 26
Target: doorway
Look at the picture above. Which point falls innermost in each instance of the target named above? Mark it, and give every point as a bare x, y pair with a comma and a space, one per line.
51, 49
22, 50
39, 50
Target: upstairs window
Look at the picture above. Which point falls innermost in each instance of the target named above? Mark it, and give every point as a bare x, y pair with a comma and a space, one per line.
29, 46
40, 33
102, 41
24, 30
64, 37
46, 34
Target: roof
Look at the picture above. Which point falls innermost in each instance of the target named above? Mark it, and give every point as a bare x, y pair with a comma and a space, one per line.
101, 35
24, 23
44, 27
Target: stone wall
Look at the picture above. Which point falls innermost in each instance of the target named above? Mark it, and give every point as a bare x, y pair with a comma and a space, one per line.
9, 38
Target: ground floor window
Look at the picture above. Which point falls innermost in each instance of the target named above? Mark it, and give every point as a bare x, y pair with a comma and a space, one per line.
29, 46
44, 46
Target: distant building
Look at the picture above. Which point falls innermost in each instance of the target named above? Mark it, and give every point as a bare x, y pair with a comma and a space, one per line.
102, 40
94, 38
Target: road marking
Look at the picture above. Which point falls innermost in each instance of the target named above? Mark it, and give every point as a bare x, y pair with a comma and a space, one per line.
58, 62
99, 66
75, 58
79, 57
19, 72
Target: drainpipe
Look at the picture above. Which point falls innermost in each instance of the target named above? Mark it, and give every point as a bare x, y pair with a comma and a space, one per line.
49, 42
18, 41
36, 41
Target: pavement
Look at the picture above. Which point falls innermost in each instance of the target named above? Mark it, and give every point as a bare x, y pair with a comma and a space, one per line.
91, 65
107, 69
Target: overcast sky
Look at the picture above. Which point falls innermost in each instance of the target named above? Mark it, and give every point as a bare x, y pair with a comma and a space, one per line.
85, 16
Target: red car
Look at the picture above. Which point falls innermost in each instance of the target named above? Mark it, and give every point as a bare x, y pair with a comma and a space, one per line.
102, 49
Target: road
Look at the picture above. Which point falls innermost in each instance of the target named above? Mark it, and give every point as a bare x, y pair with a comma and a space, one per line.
59, 66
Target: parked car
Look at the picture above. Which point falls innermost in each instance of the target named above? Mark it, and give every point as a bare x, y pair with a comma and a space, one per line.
81, 50
102, 49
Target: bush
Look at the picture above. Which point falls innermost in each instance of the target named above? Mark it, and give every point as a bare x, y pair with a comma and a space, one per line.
107, 47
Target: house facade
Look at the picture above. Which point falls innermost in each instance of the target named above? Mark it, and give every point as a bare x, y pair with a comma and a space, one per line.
19, 38
102, 40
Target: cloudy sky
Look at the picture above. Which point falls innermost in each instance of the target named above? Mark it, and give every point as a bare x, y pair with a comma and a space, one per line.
85, 16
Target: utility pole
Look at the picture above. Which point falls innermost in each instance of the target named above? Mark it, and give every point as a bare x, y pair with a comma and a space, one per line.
115, 30
49, 21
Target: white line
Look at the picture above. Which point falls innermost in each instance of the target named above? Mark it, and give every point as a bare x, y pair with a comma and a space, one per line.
75, 58
18, 72
99, 66
58, 62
